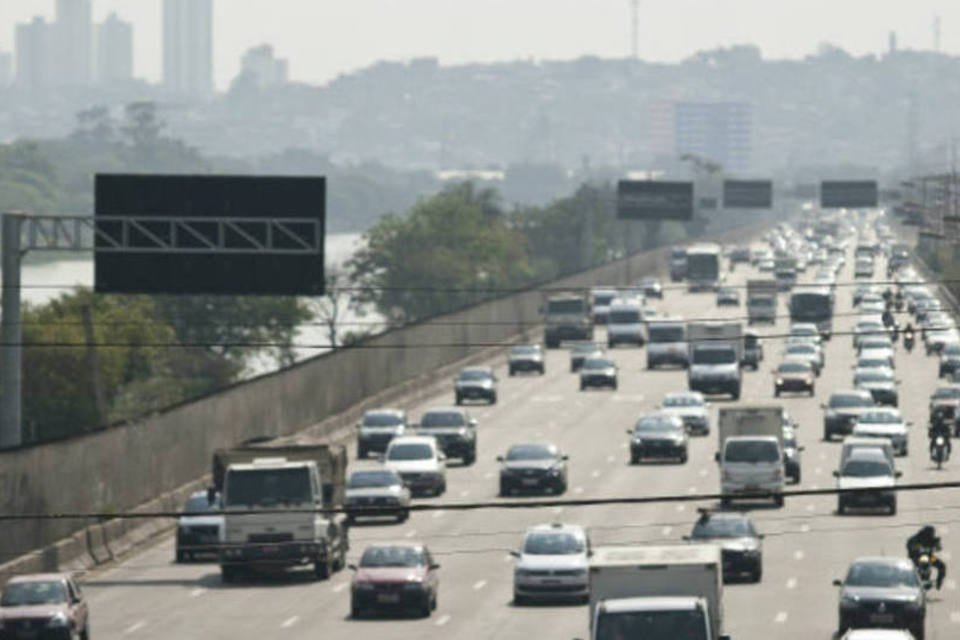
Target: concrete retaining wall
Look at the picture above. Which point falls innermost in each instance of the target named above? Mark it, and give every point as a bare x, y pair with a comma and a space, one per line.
128, 466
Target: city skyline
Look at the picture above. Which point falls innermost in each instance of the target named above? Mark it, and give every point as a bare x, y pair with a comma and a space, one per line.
310, 35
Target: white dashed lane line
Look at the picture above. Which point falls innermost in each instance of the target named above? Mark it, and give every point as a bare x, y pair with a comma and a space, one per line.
136, 626
289, 622
666, 531
557, 510
464, 493
792, 583
442, 620
410, 534
340, 587
439, 513
611, 458
798, 555
199, 591
955, 617
781, 617
488, 475
703, 473
578, 490
479, 584
681, 507
595, 473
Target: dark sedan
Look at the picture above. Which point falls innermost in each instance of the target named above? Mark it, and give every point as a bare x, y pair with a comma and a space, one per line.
651, 288
738, 540
539, 468
842, 410
881, 384
598, 372
882, 592
581, 351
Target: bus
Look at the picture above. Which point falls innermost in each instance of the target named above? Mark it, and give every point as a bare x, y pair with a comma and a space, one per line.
703, 267
813, 305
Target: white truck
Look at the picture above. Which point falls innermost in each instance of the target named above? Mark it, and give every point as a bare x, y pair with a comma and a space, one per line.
657, 593
785, 271
716, 353
762, 301
750, 453
625, 322
275, 493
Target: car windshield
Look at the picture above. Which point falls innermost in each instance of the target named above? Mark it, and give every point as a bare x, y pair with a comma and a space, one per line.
689, 624
876, 574
410, 451
866, 469
372, 479
873, 363
565, 306
726, 291
380, 419
553, 543
751, 451
603, 299
657, 423
723, 528
200, 504
667, 334
625, 316
473, 375
794, 367
849, 400
801, 348
682, 401
443, 419
392, 557
879, 417
531, 452
581, 349
268, 487
714, 355
873, 376
875, 344
597, 363
789, 442
525, 350
25, 594
761, 301
945, 393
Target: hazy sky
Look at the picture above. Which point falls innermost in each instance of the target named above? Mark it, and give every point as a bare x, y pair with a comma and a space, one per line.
323, 38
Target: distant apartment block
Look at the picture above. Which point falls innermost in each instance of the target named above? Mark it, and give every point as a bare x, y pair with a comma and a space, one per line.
188, 46
718, 131
72, 45
34, 55
6, 69
260, 66
114, 50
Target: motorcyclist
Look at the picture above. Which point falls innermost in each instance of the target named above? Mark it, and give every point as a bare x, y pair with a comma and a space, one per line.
925, 541
940, 427
887, 296
908, 334
887, 317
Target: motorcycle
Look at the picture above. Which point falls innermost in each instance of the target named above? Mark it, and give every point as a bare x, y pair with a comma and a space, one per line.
938, 451
908, 341
924, 564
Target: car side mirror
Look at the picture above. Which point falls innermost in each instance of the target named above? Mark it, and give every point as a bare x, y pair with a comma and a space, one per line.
499, 458
629, 432
837, 583
801, 448
909, 423
716, 456
434, 566
897, 474
564, 457
515, 553
352, 567
761, 536
687, 538
473, 422
836, 474
823, 405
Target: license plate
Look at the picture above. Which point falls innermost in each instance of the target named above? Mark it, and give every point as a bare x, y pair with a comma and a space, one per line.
388, 598
550, 581
881, 618
530, 482
271, 548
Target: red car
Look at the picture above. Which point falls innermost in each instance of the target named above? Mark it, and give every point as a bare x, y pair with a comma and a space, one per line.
47, 605
396, 577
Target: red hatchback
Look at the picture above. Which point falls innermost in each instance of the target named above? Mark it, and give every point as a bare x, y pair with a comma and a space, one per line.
48, 606
396, 577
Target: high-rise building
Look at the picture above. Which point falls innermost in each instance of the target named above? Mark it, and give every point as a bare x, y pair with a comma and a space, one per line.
6, 69
73, 43
261, 67
34, 56
717, 131
188, 46
114, 46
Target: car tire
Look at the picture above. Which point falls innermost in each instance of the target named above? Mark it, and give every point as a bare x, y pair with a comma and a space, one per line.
735, 395
504, 490
796, 478
361, 453
543, 370
355, 612
85, 634
583, 387
757, 575
919, 632
404, 516
683, 459
893, 508
183, 556
493, 398
634, 459
841, 507
778, 500
519, 600
776, 392
614, 385
470, 458
511, 372
813, 391
426, 608
442, 489
322, 569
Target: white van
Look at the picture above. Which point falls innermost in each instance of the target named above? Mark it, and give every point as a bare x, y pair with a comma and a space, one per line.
853, 443
625, 323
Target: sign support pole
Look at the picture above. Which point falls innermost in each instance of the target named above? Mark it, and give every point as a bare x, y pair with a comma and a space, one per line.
11, 434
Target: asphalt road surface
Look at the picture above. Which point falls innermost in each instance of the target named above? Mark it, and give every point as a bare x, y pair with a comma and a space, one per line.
806, 546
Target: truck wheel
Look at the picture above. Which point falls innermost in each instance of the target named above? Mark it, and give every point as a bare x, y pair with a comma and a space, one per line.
458, 400
778, 499
493, 398
228, 573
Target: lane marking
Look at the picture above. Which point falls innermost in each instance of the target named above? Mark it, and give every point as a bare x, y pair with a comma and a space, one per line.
811, 507
612, 458
792, 583
546, 398
946, 555
805, 528
557, 510
442, 620
818, 471
666, 531
681, 507
410, 534
798, 555
595, 473
289, 622
479, 584
781, 617
136, 626
438, 513
692, 490
507, 558
815, 487
340, 587
703, 473
951, 585
464, 493
199, 591
955, 617
578, 490
488, 475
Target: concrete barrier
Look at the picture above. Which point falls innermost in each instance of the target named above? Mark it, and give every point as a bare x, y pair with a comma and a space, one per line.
128, 466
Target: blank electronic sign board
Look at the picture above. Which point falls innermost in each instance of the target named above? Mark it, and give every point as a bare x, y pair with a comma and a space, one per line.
654, 200
201, 196
849, 194
747, 194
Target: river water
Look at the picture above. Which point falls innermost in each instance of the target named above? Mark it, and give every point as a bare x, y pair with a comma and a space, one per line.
43, 281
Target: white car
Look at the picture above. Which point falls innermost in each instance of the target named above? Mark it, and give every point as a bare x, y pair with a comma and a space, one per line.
884, 423
690, 407
806, 330
199, 531
553, 562
419, 462
877, 634
806, 352
867, 470
373, 493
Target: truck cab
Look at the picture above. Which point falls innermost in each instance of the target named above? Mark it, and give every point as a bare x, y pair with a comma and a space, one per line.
750, 453
716, 351
567, 317
625, 323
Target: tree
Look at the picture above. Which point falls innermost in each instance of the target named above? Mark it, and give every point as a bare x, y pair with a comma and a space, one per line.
330, 308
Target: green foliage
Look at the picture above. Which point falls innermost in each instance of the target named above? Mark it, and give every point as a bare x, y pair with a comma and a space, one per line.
447, 252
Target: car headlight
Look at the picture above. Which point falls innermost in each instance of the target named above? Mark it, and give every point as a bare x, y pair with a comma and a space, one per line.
363, 586
849, 600
555, 471
638, 441
59, 621
521, 573
779, 380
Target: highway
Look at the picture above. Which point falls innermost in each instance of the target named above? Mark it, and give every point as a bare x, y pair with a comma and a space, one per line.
806, 544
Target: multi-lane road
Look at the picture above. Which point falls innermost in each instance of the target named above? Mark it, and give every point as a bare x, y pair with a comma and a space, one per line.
806, 546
